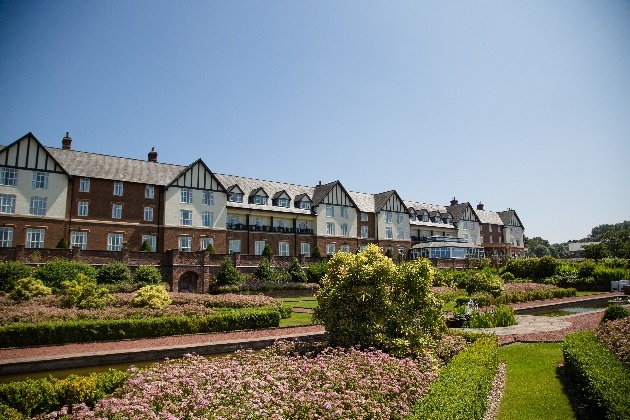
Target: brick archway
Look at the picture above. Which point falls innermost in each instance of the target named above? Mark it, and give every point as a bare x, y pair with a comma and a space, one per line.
188, 282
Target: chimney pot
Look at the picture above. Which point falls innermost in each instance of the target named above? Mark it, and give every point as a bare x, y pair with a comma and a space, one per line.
479, 206
66, 142
453, 202
153, 155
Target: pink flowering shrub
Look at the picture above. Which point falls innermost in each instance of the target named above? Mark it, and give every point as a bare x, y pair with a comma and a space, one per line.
276, 383
526, 287
616, 336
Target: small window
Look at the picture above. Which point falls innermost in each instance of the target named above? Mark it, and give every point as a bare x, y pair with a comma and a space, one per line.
260, 200
232, 220
40, 180
84, 185
150, 239
330, 210
185, 217
344, 229
330, 228
9, 177
207, 198
345, 248
38, 206
206, 218
185, 196
114, 241
118, 188
283, 249
388, 217
83, 208
399, 218
35, 238
282, 223
305, 249
78, 240
149, 192
117, 211
364, 217
344, 212
7, 203
306, 205
235, 246
148, 214
364, 231
412, 216
236, 198
205, 242
283, 202
330, 249
489, 228
259, 247
400, 234
6, 237
389, 233
185, 243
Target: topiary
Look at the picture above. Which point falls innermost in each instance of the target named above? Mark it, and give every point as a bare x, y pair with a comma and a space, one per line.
265, 272
62, 244
155, 297
296, 272
317, 253
147, 274
210, 249
54, 272
27, 288
614, 312
146, 247
114, 272
267, 251
228, 274
10, 272
389, 253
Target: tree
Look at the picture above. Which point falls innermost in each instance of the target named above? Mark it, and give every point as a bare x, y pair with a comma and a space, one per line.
389, 253
296, 272
62, 244
617, 241
267, 251
559, 250
228, 274
595, 251
113, 273
540, 250
146, 247
317, 253
210, 248
265, 272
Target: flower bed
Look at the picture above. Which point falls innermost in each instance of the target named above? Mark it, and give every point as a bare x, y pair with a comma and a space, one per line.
616, 336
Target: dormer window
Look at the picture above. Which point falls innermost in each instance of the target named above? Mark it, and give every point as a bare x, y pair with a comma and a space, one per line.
306, 205
260, 200
437, 219
235, 197
412, 216
283, 202
425, 217
449, 221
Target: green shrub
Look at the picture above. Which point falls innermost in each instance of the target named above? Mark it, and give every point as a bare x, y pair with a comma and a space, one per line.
521, 268
145, 247
54, 272
586, 268
546, 267
151, 296
296, 272
485, 283
508, 277
603, 274
62, 244
84, 293
265, 272
267, 251
315, 272
113, 273
317, 253
27, 288
10, 272
389, 253
461, 390
502, 316
147, 274
601, 380
210, 249
228, 274
615, 263
614, 312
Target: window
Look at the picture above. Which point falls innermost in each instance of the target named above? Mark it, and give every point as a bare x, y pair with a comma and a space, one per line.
303, 225
150, 240
259, 246
330, 210
330, 228
388, 217
35, 238
203, 245
364, 217
78, 239
235, 246
344, 229
305, 249
149, 192
185, 243
425, 217
6, 237
283, 202
7, 203
148, 214
83, 208
400, 234
399, 218
306, 205
40, 180
330, 249
258, 222
388, 233
490, 239
38, 206
185, 196
449, 221
84, 185
185, 217
207, 198
345, 248
9, 177
344, 212
206, 218
465, 224
283, 249
412, 216
260, 200
473, 226
232, 220
117, 211
114, 241
282, 223
236, 198
362, 248
437, 219
489, 228
364, 231
118, 188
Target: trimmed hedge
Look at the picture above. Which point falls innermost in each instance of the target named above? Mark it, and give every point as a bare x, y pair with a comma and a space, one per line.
60, 332
602, 380
461, 390
515, 297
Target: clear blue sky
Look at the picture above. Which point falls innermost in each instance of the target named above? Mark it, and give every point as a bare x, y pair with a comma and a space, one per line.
515, 104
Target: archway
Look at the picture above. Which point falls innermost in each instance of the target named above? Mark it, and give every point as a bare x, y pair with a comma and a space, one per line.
188, 282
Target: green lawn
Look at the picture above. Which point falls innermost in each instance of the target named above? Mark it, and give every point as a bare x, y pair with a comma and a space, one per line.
587, 293
297, 318
309, 302
532, 388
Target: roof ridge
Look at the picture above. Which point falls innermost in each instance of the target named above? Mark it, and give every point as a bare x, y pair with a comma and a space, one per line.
113, 156
265, 180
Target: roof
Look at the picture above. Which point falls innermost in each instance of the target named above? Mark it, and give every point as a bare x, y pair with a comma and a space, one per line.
507, 215
365, 202
489, 217
418, 206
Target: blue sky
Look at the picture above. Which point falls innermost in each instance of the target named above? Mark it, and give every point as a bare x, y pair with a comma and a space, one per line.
523, 105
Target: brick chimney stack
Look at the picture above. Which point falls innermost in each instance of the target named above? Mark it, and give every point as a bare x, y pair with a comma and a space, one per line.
66, 142
454, 202
153, 155
479, 206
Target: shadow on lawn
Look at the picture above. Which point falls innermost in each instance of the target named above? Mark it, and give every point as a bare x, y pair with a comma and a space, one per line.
581, 409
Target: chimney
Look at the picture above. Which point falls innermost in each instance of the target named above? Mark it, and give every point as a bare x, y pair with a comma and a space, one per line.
479, 206
66, 142
453, 201
153, 155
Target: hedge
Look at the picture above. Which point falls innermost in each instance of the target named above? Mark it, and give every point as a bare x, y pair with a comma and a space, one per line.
62, 332
602, 380
515, 297
461, 390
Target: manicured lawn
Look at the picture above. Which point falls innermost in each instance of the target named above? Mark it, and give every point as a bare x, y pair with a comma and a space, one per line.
297, 318
587, 293
309, 302
532, 388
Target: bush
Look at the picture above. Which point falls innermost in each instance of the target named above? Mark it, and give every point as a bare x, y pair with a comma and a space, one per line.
147, 274
210, 249
614, 335
317, 253
10, 272
603, 274
601, 380
296, 272
265, 272
152, 296
546, 267
62, 244
614, 312
586, 269
521, 268
485, 283
267, 251
502, 316
27, 288
315, 272
84, 293
228, 274
113, 273
145, 247
54, 272
461, 391
508, 277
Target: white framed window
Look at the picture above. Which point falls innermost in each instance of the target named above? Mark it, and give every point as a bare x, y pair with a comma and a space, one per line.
35, 238
449, 221
490, 239
399, 218
413, 217
83, 208
305, 205
465, 224
38, 206
466, 237
425, 217
148, 214
151, 240
282, 223
185, 243
185, 217
345, 248
40, 180
206, 218
78, 239
489, 228
7, 203
344, 229
400, 233
84, 185
260, 200
362, 248
207, 198
283, 249
114, 241
388, 217
302, 225
283, 202
234, 246
149, 192
364, 231
117, 211
6, 237
203, 244
235, 197
305, 249
473, 226
118, 188
364, 217
388, 233
330, 249
258, 222
259, 246
330, 210
232, 220
344, 212
186, 196
9, 177
330, 228
437, 219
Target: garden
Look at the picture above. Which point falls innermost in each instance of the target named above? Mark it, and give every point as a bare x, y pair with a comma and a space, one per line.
390, 353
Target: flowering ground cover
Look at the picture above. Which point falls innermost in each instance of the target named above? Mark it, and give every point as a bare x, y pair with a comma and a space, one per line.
616, 336
284, 381
526, 287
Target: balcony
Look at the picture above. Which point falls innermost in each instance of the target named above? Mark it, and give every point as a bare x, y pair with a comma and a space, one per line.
236, 226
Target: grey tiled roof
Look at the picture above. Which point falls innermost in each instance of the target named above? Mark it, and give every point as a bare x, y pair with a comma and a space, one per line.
489, 217
417, 206
365, 202
507, 215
